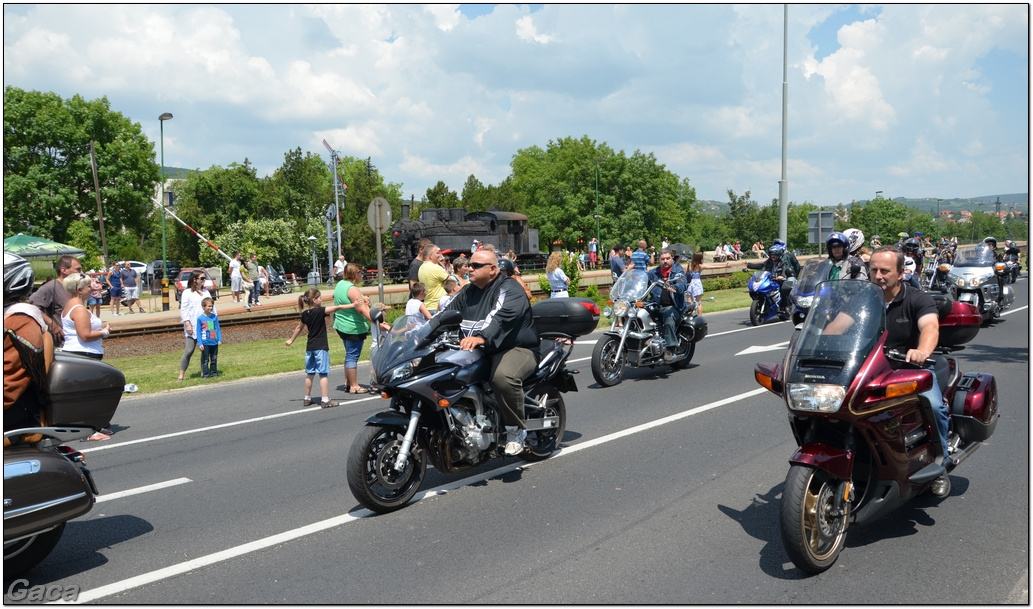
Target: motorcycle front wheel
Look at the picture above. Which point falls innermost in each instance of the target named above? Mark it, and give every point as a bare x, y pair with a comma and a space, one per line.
757, 312
24, 554
812, 537
607, 361
371, 473
541, 444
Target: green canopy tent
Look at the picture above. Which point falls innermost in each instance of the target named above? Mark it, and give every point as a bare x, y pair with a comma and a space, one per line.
27, 246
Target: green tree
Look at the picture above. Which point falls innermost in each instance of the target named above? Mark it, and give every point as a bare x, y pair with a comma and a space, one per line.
211, 201
48, 178
440, 195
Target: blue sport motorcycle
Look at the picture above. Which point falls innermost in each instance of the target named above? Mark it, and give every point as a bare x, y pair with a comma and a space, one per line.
766, 292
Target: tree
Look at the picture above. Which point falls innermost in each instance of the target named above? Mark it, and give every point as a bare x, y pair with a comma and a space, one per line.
440, 195
48, 178
638, 197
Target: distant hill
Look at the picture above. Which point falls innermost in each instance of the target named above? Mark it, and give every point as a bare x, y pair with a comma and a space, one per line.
1009, 202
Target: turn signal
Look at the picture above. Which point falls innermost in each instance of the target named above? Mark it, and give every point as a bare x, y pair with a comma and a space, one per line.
443, 403
895, 390
765, 381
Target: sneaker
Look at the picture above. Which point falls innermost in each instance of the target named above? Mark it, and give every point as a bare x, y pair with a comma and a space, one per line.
306, 402
941, 487
329, 404
668, 355
515, 440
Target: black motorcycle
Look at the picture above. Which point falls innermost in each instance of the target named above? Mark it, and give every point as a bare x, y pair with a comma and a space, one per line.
1011, 263
278, 283
46, 484
442, 406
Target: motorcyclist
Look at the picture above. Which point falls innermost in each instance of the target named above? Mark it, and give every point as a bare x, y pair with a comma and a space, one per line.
28, 349
998, 257
856, 246
779, 266
789, 256
671, 296
992, 244
844, 264
913, 249
497, 317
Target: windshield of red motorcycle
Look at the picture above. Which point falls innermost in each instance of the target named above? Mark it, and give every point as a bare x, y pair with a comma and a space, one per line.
630, 286
980, 255
395, 347
846, 320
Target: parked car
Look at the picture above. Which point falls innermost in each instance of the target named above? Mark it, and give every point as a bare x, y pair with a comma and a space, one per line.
157, 266
102, 276
184, 276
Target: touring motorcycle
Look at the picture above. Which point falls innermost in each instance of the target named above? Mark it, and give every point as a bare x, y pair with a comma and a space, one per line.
868, 440
979, 279
46, 483
442, 406
801, 295
636, 334
766, 292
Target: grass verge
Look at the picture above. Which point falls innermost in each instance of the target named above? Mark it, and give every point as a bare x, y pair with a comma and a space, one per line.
157, 372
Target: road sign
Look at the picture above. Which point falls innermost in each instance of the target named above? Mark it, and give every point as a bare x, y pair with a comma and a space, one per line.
819, 224
379, 215
331, 211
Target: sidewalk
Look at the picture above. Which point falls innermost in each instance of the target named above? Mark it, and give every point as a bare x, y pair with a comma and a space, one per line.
224, 305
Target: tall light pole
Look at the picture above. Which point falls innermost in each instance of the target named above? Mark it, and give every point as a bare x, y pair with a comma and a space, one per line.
164, 247
598, 239
783, 184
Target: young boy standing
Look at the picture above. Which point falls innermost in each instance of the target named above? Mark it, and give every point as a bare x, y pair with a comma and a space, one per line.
209, 337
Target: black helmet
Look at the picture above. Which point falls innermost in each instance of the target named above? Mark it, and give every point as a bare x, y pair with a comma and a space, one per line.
18, 278
912, 246
506, 266
990, 241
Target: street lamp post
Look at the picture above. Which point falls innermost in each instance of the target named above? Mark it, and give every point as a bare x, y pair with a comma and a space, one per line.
598, 239
164, 246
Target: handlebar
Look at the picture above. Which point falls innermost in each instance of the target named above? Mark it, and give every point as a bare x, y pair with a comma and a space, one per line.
896, 356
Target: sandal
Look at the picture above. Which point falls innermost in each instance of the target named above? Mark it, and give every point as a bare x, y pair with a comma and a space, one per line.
97, 436
358, 389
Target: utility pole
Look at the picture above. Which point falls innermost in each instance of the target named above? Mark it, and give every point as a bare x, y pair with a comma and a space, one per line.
783, 184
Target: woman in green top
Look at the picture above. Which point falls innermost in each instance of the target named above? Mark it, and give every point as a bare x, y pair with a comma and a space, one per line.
352, 325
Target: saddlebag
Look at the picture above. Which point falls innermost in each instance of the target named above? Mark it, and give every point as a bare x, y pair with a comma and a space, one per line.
959, 321
974, 407
83, 391
44, 489
567, 316
694, 327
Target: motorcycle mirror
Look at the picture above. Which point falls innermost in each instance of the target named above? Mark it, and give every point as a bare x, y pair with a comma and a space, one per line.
769, 376
376, 314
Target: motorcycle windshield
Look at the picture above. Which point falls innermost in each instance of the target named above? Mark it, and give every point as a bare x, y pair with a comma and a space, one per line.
398, 345
814, 272
846, 320
981, 255
759, 277
630, 286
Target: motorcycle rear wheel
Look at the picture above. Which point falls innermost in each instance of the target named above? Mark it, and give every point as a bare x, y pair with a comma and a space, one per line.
287, 288
541, 444
812, 538
757, 312
607, 363
371, 475
24, 554
684, 363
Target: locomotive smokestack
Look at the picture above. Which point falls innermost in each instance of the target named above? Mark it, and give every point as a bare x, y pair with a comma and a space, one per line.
405, 208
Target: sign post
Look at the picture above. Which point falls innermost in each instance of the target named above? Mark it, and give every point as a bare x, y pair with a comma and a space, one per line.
379, 217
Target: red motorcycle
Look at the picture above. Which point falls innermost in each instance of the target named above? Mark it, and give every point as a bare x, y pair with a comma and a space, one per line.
868, 439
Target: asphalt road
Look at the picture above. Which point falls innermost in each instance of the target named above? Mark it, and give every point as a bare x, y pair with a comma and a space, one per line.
666, 491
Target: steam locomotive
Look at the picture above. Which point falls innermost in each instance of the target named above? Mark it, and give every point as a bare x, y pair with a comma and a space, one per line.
454, 229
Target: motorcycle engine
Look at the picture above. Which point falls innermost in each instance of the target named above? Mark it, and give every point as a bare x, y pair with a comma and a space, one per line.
475, 430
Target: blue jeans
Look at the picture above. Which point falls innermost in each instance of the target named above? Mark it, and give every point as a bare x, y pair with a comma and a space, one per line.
935, 398
210, 360
252, 297
671, 315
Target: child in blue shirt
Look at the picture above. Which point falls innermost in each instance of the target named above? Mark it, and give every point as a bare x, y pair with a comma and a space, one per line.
209, 337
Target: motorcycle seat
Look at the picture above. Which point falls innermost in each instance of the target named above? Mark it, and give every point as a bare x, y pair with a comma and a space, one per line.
944, 303
941, 372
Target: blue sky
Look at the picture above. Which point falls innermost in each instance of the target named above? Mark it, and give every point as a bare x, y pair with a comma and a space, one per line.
912, 100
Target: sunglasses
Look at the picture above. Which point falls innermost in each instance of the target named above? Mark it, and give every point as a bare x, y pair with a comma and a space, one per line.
477, 265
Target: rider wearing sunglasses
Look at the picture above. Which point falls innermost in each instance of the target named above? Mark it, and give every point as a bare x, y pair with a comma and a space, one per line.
497, 317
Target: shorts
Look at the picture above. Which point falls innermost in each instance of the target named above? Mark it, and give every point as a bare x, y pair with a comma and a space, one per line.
591, 257
317, 362
94, 301
130, 293
235, 282
115, 292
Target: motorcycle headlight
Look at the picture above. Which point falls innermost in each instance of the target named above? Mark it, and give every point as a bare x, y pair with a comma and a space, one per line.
620, 308
805, 301
403, 372
979, 280
815, 397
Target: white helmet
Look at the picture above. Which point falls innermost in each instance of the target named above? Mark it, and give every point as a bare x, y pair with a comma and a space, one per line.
856, 238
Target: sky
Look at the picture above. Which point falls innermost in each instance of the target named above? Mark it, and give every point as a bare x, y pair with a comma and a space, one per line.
911, 100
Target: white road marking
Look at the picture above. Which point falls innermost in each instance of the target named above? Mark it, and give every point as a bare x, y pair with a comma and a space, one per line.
1010, 311
142, 489
763, 348
119, 587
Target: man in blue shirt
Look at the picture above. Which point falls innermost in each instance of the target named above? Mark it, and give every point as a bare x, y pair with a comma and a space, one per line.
616, 262
640, 258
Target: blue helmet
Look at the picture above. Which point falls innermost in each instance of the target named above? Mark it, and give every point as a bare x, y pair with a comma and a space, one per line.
835, 236
779, 242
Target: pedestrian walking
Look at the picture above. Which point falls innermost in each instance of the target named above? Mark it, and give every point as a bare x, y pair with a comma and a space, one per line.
317, 348
209, 337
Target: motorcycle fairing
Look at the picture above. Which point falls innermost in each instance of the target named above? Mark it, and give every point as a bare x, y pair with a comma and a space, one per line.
837, 462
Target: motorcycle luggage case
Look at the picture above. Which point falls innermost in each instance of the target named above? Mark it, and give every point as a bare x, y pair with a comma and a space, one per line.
83, 391
974, 406
697, 325
570, 316
44, 489
959, 321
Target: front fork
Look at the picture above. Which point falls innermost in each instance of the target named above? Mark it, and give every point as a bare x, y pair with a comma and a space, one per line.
835, 461
410, 435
